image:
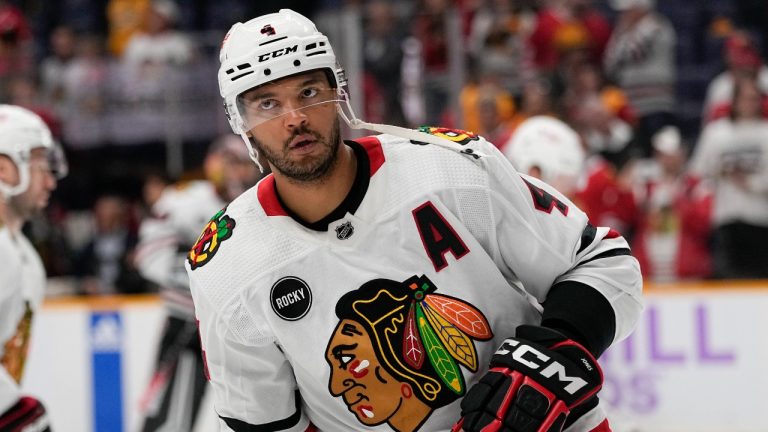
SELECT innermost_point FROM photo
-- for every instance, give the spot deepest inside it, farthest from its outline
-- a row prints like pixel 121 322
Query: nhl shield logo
pixel 345 230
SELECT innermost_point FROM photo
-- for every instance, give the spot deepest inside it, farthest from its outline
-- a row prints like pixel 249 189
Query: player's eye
pixel 267 104
pixel 309 92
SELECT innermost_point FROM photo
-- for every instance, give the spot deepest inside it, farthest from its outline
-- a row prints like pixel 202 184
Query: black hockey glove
pixel 535 380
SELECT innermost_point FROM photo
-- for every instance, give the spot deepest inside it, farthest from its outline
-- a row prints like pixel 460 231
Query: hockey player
pixel 29 167
pixel 172 401
pixel 406 281
pixel 546 148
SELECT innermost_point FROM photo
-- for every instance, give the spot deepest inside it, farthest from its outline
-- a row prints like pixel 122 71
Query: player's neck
pixel 313 201
pixel 8 218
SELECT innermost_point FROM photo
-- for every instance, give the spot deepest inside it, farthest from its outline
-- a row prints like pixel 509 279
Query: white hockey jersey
pixel 22 289
pixel 381 316
pixel 168 233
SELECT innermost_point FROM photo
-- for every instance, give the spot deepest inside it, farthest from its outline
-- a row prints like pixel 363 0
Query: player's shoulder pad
pixel 464 142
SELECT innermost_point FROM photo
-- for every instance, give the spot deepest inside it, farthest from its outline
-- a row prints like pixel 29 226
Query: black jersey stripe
pixel 587 237
pixel 278 425
pixel 608 254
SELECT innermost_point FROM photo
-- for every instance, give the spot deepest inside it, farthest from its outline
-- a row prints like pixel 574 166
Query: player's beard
pixel 317 168
pixel 25 207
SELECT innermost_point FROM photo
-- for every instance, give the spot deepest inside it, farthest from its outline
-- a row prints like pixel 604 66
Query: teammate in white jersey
pixel 406 281
pixel 29 167
pixel 547 148
pixel 173 399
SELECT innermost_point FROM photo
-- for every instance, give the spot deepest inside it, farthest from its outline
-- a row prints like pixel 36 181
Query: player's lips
pixel 302 143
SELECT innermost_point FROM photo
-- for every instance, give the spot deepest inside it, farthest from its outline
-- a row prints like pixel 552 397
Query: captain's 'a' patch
pixel 218 229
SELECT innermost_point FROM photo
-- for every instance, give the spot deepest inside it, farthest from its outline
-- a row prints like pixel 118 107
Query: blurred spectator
pixel 106 266
pixel 563 24
pixel 640 58
pixel 674 238
pixel 493 114
pixel 84 102
pixel 484 85
pixel 62 42
pixel 383 56
pixel 742 60
pixel 158 43
pixel 429 28
pixel 588 83
pixel 125 18
pixel 498 43
pixel 153 78
pixel 732 153
pixel 412 73
pixel 606 192
pixel 536 100
pixel 600 113
pixel 23 91
pixel 16 56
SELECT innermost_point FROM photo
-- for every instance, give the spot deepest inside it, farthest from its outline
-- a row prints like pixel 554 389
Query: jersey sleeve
pixel 11 312
pixel 584 276
pixel 157 255
pixel 253 384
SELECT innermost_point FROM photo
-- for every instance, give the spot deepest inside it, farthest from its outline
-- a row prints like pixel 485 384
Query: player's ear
pixel 8 172
pixel 534 171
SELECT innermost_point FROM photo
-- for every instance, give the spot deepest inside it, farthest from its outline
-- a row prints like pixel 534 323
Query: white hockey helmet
pixel 21 131
pixel 552 146
pixel 268 48
pixel 279 45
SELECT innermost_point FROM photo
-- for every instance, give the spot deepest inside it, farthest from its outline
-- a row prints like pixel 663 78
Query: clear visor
pixel 270 102
pixel 58 162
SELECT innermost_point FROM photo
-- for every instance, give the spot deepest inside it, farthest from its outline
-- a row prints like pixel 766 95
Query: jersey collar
pixel 370 157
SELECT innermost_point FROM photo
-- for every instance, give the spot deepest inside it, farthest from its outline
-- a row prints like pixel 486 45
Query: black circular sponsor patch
pixel 290 298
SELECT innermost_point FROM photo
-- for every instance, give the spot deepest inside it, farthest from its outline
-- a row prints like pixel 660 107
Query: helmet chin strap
pixel 411 134
pixel 355 123
pixel 252 152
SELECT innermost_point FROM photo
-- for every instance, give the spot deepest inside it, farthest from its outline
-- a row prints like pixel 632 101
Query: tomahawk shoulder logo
pixel 290 298
pixel 218 229
pixel 345 230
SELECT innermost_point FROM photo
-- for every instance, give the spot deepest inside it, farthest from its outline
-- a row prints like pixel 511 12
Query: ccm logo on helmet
pixel 534 359
pixel 278 53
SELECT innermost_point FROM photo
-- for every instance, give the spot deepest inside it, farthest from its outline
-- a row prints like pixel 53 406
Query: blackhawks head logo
pixel 397 352
pixel 218 229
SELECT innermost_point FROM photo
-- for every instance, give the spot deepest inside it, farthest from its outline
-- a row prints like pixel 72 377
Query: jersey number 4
pixel 545 201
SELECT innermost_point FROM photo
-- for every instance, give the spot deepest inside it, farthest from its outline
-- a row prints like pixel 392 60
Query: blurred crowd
pixel 668 100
